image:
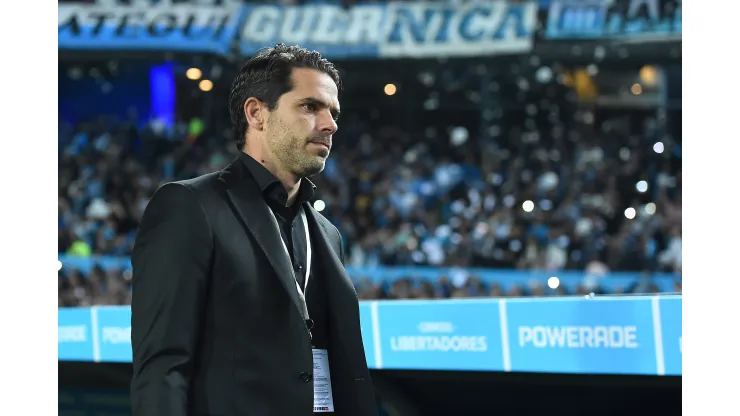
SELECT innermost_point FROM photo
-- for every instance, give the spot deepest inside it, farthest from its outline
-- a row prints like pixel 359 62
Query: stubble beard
pixel 290 150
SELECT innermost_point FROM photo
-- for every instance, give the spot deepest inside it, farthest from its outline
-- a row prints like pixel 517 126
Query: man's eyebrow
pixel 320 103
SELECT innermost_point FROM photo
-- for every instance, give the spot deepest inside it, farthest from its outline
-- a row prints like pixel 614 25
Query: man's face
pixel 299 131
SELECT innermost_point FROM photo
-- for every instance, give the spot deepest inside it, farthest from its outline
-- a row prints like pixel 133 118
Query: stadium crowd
pixel 558 188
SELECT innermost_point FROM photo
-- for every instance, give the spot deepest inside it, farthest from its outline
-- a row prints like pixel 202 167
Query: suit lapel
pixel 342 300
pixel 324 248
pixel 244 195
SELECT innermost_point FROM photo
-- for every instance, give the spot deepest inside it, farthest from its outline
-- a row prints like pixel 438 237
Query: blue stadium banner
pixel 114 333
pixel 625 20
pixel 672 335
pixel 396 29
pixel 76 335
pixel 440 335
pixel 603 335
pixel 366 326
pixel 612 336
pixel 378 30
pixel 184 28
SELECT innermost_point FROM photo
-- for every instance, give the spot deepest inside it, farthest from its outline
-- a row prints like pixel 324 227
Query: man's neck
pixel 290 182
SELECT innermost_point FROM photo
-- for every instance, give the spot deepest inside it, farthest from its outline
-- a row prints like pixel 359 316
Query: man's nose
pixel 327 124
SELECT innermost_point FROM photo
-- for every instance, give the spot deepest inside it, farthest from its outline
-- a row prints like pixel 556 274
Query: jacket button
pixel 306 377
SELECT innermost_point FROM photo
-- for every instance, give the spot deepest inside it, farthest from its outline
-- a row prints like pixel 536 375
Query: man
pixel 220 324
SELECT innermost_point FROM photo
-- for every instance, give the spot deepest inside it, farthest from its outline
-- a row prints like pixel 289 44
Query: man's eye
pixel 309 107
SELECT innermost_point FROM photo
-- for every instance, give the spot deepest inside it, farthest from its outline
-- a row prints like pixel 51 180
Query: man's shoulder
pixel 201 183
pixel 202 189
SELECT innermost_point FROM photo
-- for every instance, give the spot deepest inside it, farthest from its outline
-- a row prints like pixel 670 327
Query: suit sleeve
pixel 171 262
pixel 341 246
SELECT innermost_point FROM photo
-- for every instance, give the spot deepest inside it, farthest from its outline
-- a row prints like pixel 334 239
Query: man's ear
pixel 256 113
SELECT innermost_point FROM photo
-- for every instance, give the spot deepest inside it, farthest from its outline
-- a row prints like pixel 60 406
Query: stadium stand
pixel 426 210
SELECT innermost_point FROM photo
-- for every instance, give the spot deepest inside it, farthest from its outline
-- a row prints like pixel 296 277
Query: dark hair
pixel 267 76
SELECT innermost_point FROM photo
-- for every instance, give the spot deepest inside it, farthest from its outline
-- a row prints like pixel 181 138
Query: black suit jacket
pixel 216 328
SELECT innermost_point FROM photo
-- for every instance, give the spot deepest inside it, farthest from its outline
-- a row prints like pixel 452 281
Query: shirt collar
pixel 270 186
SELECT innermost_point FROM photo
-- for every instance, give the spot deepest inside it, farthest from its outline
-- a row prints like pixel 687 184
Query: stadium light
pixel 553 282
pixel 630 213
pixel 636 89
pixel 193 73
pixel 319 205
pixel 648 75
pixel 528 206
pixel 389 89
pixel 642 187
pixel 205 85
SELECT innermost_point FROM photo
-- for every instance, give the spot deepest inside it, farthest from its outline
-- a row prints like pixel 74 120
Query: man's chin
pixel 314 167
